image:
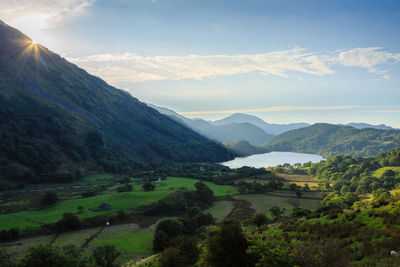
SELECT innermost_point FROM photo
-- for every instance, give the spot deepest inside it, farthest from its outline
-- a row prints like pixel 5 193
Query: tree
pixel 69 221
pixel 105 256
pixel 148 187
pixel 227 247
pixel 260 219
pixel 307 188
pixel 293 187
pixel 183 252
pixel 166 231
pixel 44 256
pixel 276 212
pixel 49 198
pixel 6 258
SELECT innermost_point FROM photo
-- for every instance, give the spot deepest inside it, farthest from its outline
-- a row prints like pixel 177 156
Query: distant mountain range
pixel 222 132
pixel 269 128
pixel 248 134
pixel 359 125
pixel 328 140
pixel 56 120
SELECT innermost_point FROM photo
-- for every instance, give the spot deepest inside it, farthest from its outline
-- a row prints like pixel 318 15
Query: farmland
pixel 126 201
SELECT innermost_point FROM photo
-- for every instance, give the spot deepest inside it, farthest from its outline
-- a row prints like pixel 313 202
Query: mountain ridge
pixel 58 119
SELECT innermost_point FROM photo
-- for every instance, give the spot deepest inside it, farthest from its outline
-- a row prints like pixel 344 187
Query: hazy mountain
pixel 56 119
pixel 328 140
pixel 243 148
pixel 223 133
pixel 269 128
pixel 359 125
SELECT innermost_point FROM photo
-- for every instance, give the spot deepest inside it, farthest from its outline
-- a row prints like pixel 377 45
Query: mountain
pixel 359 125
pixel 228 132
pixel 57 120
pixel 273 129
pixel 327 140
pixel 243 148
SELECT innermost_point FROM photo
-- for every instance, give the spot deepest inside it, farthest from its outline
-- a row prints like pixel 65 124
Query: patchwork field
pixel 220 210
pixel 127 201
pixel 263 203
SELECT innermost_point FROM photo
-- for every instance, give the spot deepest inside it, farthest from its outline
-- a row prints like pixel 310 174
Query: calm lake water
pixel 272 159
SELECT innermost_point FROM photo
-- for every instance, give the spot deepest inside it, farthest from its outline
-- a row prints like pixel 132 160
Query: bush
pixel 260 219
pixel 148 187
pixel 49 198
pixel 105 256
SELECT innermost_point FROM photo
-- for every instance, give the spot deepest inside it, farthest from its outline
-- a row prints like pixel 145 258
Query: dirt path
pixel 91 238
pixel 241 210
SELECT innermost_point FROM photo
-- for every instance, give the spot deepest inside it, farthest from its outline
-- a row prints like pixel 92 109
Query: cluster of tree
pixel 329 236
pixel 212 172
pixel 259 188
pixel 124 188
pixel 177 239
pixel 181 200
pixel 70 255
pixel 350 177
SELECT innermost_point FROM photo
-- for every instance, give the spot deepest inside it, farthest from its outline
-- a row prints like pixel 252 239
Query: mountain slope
pixel 360 125
pixel 228 132
pixel 328 140
pixel 273 129
pixel 243 148
pixel 56 119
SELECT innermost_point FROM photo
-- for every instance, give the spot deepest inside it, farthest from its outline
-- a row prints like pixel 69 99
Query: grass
pixel 131 245
pixel 127 201
pixel 263 203
pixel 220 210
pixel 379 172
pixel 77 238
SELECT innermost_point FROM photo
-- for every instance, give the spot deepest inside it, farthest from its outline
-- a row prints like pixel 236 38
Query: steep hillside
pixel 269 128
pixel 328 140
pixel 243 148
pixel 226 132
pixel 56 119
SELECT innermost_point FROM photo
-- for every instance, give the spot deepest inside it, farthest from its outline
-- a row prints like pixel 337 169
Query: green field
pixel 131 245
pixel 220 210
pixel 262 203
pixel 379 172
pixel 127 201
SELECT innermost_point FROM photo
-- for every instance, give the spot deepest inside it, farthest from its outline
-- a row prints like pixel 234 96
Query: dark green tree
pixel 105 256
pixel 227 247
pixel 49 198
pixel 260 219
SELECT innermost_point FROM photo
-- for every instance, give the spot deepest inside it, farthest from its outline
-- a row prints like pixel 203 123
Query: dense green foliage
pixel 57 120
pixel 228 246
pixel 244 148
pixel 181 200
pixel 329 140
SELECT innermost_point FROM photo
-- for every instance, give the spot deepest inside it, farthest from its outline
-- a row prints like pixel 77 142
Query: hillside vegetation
pixel 328 140
pixel 57 120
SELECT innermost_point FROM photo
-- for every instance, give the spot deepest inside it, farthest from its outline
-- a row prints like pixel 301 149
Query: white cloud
pixel 131 68
pixel 40 14
pixel 128 67
pixel 368 58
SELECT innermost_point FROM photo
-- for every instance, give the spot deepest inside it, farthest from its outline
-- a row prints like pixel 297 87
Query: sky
pixel 284 60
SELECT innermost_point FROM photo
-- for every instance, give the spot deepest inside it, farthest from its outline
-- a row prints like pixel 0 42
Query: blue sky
pixel 284 61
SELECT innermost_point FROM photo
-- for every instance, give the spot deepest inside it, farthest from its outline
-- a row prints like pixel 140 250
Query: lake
pixel 272 159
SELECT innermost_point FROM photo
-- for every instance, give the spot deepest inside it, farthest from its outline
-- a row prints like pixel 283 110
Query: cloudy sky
pixel 283 60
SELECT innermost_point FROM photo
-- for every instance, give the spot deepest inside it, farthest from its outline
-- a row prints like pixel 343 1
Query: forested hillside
pixel 57 120
pixel 328 140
